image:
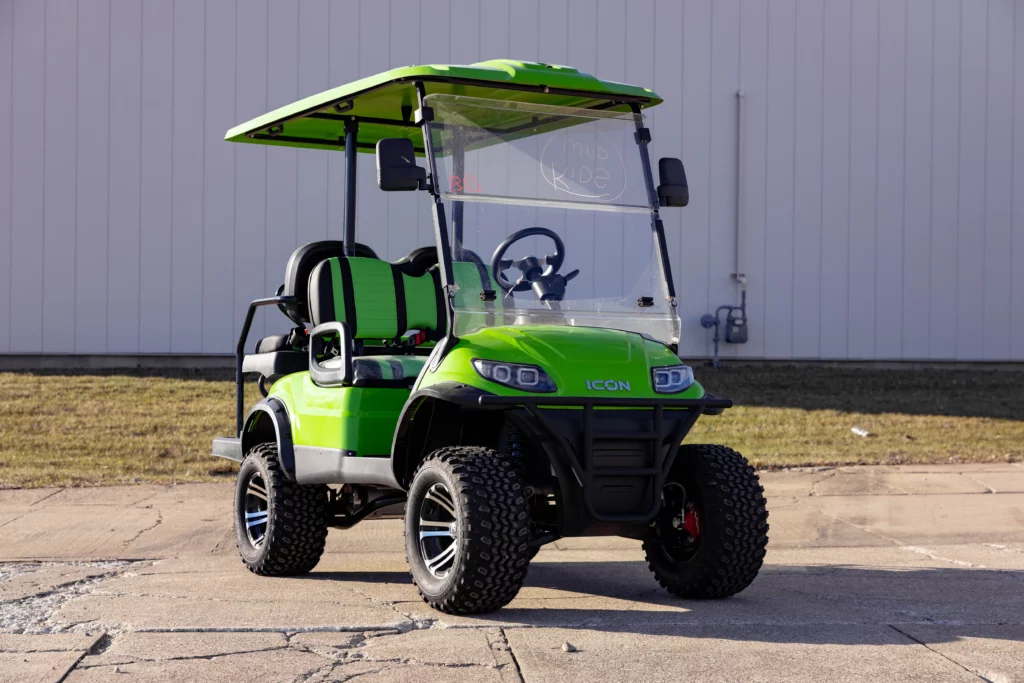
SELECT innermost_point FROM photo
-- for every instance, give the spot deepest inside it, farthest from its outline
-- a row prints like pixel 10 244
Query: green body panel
pixel 355 419
pixel 570 355
pixel 363 420
pixel 384 95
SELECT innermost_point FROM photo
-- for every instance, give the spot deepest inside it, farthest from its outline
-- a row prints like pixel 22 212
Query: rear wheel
pixel 280 526
pixel 466 530
pixel 709 538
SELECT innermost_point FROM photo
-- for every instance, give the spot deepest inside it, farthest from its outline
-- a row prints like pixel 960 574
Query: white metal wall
pixel 884 163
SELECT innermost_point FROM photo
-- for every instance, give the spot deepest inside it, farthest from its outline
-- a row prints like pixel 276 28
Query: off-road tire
pixel 733 520
pixel 493 529
pixel 296 524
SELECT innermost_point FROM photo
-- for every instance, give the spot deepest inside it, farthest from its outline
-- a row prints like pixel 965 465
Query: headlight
pixel 515 375
pixel 671 379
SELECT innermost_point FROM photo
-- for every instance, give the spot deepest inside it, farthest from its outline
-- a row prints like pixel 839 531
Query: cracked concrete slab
pixel 242 612
pixel 757 653
pixel 159 647
pixel 54 642
pixel 75 532
pixel 891 573
pixel 44 667
pixel 941 518
pixel 795 524
pixel 32 613
pixel 25 497
pixel 1001 482
pixel 416 655
pixel 24 579
pixel 852 483
pixel 116 496
pixel 431 647
pixel 273 665
pixel 27 658
pixel 994 652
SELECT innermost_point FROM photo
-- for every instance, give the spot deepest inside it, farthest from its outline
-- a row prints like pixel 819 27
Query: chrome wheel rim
pixel 438 531
pixel 257 510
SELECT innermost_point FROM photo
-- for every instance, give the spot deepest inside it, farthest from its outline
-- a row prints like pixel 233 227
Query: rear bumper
pixel 610 464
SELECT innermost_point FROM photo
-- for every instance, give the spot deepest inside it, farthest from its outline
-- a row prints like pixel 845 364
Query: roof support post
pixel 444 252
pixel 458 209
pixel 351 130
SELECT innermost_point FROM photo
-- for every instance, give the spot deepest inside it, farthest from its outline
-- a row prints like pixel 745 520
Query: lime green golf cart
pixel 514 383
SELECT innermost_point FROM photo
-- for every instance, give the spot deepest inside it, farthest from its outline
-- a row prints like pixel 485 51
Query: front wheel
pixel 709 538
pixel 467 526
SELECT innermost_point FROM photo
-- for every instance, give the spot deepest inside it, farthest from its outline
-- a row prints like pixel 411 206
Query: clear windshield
pixel 566 174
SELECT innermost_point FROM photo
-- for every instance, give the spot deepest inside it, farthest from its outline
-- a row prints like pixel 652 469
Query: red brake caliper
pixel 691 521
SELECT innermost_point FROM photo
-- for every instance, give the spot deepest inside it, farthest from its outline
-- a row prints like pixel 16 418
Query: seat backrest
pixel 375 298
pixel 301 264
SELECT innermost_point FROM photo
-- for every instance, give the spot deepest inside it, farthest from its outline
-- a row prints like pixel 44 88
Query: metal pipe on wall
pixel 740 272
pixel 736 331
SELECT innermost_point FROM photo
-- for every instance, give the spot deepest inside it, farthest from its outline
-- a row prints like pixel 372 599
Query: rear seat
pixel 283 354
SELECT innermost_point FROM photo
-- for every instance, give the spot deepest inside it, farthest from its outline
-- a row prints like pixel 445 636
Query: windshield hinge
pixel 424 114
pixel 645 301
pixel 488 295
pixel 642 135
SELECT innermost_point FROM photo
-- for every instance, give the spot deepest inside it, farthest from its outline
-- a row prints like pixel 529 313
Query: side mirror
pixel 673 190
pixel 396 166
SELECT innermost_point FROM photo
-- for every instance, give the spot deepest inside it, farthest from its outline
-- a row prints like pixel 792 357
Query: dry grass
pixel 92 428
pixel 803 416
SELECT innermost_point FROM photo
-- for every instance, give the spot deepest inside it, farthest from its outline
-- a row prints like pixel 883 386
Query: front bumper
pixel 610 464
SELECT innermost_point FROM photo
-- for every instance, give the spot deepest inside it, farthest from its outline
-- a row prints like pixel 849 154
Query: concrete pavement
pixel 910 573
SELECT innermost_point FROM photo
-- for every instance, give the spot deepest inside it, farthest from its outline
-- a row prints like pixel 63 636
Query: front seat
pixel 379 302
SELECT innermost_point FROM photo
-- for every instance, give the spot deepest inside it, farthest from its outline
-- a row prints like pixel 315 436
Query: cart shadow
pixel 820 604
pixel 837 604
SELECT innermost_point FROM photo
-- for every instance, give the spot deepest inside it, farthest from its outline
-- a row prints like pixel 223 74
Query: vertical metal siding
pixel 885 213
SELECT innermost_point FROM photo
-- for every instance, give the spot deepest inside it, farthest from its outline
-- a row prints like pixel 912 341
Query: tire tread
pixel 735 527
pixel 493 557
pixel 298 527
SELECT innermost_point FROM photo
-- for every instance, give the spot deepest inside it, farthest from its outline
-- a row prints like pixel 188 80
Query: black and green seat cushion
pixel 376 298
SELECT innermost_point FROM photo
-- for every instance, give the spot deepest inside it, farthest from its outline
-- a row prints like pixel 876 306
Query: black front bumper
pixel 610 464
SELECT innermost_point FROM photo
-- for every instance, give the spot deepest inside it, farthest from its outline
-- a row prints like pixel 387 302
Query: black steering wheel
pixel 537 273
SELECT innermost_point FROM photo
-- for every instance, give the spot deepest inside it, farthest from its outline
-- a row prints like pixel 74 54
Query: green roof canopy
pixel 384 104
